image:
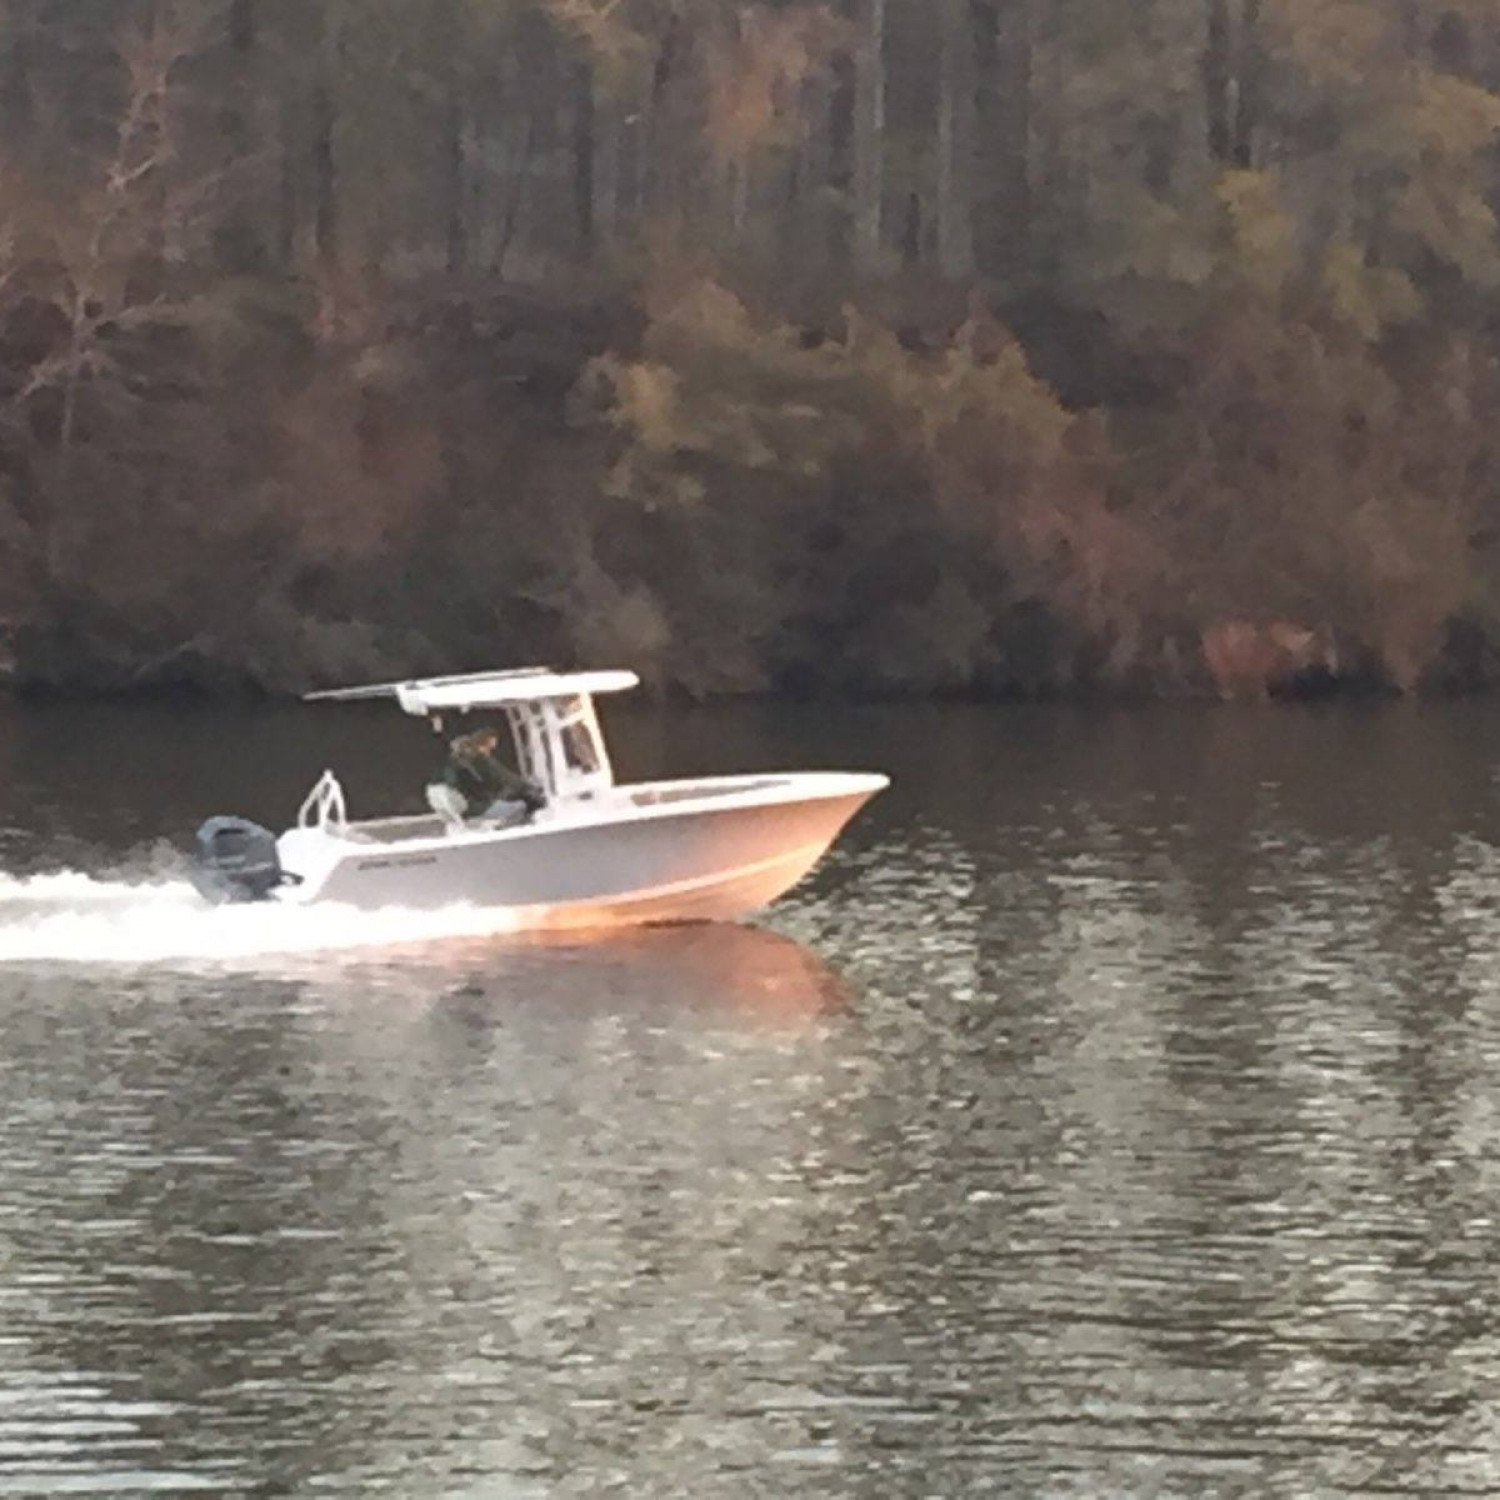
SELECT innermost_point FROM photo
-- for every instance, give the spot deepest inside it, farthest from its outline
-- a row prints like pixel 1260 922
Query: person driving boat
pixel 477 783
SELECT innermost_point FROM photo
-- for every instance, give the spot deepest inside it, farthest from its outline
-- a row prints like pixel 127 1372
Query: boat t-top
pixel 581 852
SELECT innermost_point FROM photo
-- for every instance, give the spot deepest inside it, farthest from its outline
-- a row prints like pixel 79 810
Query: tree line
pixel 875 345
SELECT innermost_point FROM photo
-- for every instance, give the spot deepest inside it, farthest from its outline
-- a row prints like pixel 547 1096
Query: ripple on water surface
pixel 1092 1124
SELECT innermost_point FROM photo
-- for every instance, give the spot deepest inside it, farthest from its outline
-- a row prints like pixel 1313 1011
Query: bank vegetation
pixel 1012 347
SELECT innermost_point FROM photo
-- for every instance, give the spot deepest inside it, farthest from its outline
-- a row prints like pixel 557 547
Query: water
pixel 1116 1113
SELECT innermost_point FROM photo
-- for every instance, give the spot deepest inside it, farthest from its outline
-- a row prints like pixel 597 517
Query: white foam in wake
pixel 72 917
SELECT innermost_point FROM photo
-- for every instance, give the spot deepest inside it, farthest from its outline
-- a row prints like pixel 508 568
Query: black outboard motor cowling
pixel 236 860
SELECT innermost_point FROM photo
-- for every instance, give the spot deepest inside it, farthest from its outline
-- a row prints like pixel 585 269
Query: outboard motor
pixel 236 860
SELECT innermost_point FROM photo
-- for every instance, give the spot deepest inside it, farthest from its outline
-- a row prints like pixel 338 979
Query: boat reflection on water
pixel 754 973
pixel 730 971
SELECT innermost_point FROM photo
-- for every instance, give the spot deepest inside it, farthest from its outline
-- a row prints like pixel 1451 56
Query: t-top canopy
pixel 430 695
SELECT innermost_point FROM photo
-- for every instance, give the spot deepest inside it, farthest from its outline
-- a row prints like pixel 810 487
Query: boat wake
pixel 70 916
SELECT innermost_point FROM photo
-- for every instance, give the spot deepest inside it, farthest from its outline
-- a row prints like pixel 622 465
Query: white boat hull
pixel 667 852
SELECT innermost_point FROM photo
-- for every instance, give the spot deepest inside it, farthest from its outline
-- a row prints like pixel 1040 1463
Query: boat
pixel 587 853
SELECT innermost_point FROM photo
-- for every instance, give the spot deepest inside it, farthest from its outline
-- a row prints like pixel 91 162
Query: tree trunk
pixel 657 154
pixel 585 126
pixel 1006 115
pixel 239 110
pixel 1061 175
pixel 325 178
pixel 288 196
pixel 241 36
pixel 516 200
pixel 325 185
pixel 735 173
pixel 738 185
pixel 954 144
pixel 869 137
pixel 240 239
pixel 1216 77
pixel 454 130
pixel 16 101
pixel 838 241
pixel 605 170
pixel 911 232
pixel 800 235
pixel 1251 86
pixel 455 179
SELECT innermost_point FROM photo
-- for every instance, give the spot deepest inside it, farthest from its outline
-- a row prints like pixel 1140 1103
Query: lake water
pixel 1117 1112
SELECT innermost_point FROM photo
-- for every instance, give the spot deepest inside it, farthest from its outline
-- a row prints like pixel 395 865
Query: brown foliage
pixel 1216 418
pixel 1250 661
pixel 757 60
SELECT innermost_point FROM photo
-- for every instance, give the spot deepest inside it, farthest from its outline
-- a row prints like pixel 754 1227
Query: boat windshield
pixel 559 746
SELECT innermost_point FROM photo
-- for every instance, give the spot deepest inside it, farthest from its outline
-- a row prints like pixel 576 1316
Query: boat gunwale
pixel 770 789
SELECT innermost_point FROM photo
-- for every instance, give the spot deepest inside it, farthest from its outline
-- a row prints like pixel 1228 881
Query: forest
pixel 878 347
